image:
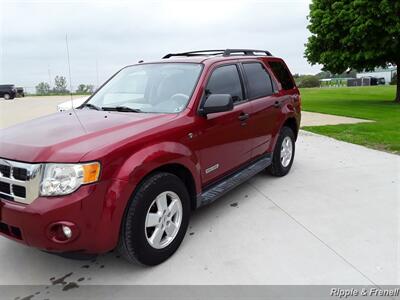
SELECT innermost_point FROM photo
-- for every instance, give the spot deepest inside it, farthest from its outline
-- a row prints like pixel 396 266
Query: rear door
pixel 262 92
pixel 289 97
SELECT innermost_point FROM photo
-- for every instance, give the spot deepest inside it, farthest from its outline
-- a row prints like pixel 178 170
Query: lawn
pixel 372 103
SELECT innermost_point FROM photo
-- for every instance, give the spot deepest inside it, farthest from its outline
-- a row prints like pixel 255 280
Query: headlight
pixel 62 179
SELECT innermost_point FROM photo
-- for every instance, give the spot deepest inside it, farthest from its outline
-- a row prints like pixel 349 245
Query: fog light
pixel 67 231
pixel 62 232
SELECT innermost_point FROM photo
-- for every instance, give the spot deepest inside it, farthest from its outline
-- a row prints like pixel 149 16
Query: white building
pixel 387 73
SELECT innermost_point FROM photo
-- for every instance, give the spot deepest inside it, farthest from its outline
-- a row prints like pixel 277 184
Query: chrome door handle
pixel 243 117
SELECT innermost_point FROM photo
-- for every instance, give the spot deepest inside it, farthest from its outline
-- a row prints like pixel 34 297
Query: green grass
pixel 372 103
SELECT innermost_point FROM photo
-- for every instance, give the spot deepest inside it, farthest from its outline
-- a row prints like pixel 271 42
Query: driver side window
pixel 226 80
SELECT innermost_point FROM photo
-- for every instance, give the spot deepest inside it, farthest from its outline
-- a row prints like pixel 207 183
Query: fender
pixel 132 172
pixel 288 111
pixel 146 160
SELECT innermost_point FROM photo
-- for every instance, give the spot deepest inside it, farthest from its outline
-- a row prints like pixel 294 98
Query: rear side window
pixel 226 80
pixel 258 80
pixel 283 74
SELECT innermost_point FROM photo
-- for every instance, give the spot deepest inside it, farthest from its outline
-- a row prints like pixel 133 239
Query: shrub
pixel 308 81
pixel 43 88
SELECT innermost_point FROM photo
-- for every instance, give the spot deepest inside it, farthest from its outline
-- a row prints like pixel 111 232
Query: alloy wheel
pixel 286 151
pixel 163 220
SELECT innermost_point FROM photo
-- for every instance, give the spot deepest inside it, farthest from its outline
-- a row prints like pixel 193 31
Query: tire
pixel 6 97
pixel 135 241
pixel 281 165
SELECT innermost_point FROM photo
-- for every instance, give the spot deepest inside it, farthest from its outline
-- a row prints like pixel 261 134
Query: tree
pixel 60 85
pixel 85 89
pixel 42 88
pixel 324 75
pixel 357 34
pixel 90 88
pixel 307 81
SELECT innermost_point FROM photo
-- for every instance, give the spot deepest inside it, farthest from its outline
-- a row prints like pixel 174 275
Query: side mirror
pixel 216 103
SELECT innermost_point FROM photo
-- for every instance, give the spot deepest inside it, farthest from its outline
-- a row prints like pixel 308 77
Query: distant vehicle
pixel 8 91
pixel 20 92
pixel 67 105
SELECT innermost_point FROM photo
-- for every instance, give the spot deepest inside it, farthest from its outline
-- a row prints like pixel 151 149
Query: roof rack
pixel 226 52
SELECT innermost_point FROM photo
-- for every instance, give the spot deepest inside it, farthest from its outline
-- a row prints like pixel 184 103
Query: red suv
pixel 155 142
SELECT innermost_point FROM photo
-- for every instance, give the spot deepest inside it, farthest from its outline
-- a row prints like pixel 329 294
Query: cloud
pixel 106 35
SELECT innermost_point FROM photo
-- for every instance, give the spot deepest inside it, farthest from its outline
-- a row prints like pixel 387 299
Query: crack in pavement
pixel 315 236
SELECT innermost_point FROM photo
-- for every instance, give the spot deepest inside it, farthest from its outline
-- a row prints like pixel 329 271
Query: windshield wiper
pixel 122 108
pixel 90 105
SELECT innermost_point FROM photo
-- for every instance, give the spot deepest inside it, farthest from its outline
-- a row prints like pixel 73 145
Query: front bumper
pixel 96 210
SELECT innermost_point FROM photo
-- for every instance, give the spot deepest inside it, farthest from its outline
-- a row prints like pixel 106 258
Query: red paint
pixel 129 147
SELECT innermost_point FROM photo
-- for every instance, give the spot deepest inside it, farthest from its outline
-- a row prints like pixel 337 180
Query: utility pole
pixel 49 72
pixel 97 74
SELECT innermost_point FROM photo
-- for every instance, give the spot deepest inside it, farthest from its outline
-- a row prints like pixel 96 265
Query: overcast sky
pixel 112 34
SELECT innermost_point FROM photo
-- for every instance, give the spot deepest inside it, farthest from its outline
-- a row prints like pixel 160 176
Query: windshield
pixel 159 88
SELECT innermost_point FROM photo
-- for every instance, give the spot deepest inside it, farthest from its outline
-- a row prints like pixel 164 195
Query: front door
pixel 225 137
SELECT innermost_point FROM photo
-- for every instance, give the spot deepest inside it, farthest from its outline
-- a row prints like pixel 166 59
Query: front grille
pixel 19 182
pixel 19 191
pixel 9 189
pixel 20 174
pixel 5 188
pixel 5 170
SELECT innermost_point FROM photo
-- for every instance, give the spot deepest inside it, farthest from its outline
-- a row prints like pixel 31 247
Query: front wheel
pixel 283 155
pixel 7 97
pixel 156 220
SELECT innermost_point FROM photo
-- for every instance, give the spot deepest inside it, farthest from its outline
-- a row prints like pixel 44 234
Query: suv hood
pixel 68 136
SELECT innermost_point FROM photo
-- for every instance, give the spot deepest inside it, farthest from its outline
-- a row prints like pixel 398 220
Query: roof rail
pixel 229 52
pixel 226 52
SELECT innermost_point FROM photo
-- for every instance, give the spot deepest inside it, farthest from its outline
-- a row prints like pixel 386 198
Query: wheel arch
pixel 171 157
pixel 292 124
pixel 184 174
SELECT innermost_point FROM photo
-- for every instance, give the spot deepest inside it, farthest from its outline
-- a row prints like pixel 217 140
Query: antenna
pixel 69 71
pixel 97 74
pixel 70 83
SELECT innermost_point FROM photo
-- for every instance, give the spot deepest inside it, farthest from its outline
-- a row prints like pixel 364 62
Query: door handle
pixel 277 104
pixel 243 117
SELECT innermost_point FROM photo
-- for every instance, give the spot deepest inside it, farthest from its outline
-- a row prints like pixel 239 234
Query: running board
pixel 221 187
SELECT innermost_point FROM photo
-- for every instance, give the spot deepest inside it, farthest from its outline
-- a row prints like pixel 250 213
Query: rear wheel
pixel 156 220
pixel 7 96
pixel 283 156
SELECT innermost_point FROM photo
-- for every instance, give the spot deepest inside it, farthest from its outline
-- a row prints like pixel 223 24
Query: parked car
pixel 74 103
pixel 157 141
pixel 20 92
pixel 8 91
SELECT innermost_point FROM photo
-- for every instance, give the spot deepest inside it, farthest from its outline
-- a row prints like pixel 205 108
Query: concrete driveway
pixel 333 220
pixel 27 108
